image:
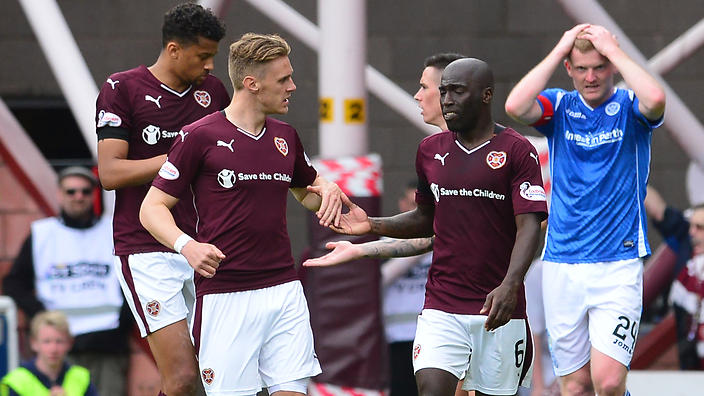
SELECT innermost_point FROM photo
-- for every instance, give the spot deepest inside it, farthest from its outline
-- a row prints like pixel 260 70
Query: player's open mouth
pixel 449 115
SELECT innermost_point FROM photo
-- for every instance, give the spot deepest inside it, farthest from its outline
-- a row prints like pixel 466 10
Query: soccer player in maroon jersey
pixel 480 193
pixel 252 324
pixel 140 113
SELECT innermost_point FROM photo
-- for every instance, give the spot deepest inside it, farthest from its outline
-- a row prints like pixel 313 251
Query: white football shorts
pixel 254 339
pixel 592 305
pixel 493 362
pixel 158 287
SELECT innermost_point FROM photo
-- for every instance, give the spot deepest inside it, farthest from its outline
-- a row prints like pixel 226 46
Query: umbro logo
pixel 112 83
pixel 150 98
pixel 228 145
pixel 441 158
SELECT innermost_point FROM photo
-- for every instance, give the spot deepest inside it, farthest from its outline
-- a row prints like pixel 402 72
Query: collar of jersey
pixel 463 148
pixel 179 94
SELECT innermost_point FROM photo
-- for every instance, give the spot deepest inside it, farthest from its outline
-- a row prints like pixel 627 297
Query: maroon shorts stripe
pixel 197 321
pixel 529 353
pixel 127 274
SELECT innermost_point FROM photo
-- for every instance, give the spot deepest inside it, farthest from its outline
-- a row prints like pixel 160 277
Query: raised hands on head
pixel 564 46
pixel 603 40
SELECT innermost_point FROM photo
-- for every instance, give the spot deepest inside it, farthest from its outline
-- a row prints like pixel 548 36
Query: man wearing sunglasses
pixel 65 264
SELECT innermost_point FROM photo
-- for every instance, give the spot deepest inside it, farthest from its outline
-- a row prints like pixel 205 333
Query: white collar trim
pixel 472 150
pixel 179 94
pixel 252 135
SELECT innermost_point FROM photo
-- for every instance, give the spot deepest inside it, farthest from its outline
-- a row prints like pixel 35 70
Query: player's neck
pixel 245 116
pixel 483 131
pixel 162 72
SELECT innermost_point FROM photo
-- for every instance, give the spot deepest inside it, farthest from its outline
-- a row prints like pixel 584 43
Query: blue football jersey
pixel 599 162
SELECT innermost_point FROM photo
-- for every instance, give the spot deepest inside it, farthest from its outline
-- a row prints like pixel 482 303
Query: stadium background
pixel 511 35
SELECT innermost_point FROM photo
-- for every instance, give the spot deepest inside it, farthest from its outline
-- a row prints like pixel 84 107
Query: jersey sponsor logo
pixel 264 176
pixel 576 114
pixel 109 119
pixel 151 134
pixel 612 108
pixel 594 140
pixel 150 98
pixel 436 191
pixel 169 171
pixel 208 375
pixel 227 178
pixel 281 145
pixel 153 308
pixel 220 143
pixel 441 158
pixel 532 193
pixel 112 83
pixel 467 192
pixel 496 159
pixel 416 351
pixel 183 135
pixel 202 98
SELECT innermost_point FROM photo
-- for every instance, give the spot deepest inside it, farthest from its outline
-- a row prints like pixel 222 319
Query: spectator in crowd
pixel 65 264
pixel 49 373
pixel 682 236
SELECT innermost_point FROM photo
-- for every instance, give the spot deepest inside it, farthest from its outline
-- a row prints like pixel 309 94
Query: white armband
pixel 181 241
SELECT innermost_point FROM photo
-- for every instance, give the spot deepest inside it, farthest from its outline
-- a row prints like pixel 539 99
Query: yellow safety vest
pixel 22 381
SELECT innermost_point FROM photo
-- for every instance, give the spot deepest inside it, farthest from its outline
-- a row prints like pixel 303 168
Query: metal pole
pixel 67 64
pixel 683 126
pixel 217 6
pixel 379 85
pixel 678 50
pixel 341 61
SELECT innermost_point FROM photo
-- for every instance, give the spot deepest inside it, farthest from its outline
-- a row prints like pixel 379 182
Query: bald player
pixel 480 193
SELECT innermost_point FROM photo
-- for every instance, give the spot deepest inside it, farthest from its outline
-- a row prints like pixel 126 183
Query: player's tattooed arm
pixel 344 251
pixel 387 248
pixel 412 224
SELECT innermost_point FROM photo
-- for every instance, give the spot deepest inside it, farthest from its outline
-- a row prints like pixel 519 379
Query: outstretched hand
pixel 354 222
pixel 499 306
pixel 203 257
pixel 342 251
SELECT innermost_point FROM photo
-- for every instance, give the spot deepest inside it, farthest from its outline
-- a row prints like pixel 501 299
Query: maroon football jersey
pixel 153 114
pixel 240 184
pixel 477 194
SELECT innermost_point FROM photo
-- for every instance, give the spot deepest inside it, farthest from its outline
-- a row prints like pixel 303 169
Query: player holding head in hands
pixel 599 141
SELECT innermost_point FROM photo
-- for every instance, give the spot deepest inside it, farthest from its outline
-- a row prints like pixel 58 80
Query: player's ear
pixel 172 48
pixel 251 83
pixel 487 95
pixel 568 66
